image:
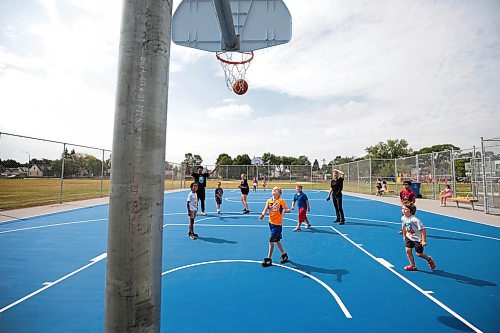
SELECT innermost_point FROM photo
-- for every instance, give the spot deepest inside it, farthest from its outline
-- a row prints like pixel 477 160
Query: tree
pixel 341 160
pixel 315 165
pixel 301 160
pixel 9 163
pixel 224 159
pixel 436 148
pixel 391 149
pixel 271 159
pixel 192 160
pixel 242 160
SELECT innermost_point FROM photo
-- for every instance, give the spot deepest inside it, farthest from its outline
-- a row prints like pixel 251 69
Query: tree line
pixel 391 149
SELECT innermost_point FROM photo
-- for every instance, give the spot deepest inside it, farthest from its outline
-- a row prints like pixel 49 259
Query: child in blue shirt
pixel 303 203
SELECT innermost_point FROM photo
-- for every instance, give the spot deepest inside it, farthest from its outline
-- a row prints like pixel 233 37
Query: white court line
pixel 327 287
pixel 93 261
pixel 426 293
pixel 399 223
pixel 51 225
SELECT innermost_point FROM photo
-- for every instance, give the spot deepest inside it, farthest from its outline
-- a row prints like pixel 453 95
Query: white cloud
pixel 354 74
pixel 230 111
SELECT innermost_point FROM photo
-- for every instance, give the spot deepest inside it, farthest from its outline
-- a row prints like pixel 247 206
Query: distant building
pixel 40 171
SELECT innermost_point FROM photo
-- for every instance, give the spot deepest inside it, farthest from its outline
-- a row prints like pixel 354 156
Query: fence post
pixel 102 170
pixel 473 178
pixel 357 167
pixel 433 173
pixel 453 174
pixel 396 170
pixel 418 170
pixel 62 174
pixel 485 186
pixel 311 178
pixel 370 174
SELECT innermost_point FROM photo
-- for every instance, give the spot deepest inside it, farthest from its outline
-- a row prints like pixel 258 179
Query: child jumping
pixel 414 236
pixel 303 204
pixel 218 196
pixel 192 208
pixel 445 194
pixel 277 208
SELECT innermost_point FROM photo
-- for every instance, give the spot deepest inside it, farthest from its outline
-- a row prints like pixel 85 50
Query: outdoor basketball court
pixel 346 278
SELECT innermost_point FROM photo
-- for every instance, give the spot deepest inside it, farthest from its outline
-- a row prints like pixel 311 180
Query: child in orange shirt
pixel 277 208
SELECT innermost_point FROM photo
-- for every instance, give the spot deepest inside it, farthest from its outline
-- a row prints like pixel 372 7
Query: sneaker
pixel 191 235
pixel 336 221
pixel 218 211
pixel 411 268
pixel 431 263
pixel 296 229
pixel 308 226
pixel 203 213
pixel 246 211
pixel 342 222
pixel 284 258
pixel 267 262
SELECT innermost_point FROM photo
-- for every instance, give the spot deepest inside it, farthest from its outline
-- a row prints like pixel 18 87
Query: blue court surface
pixel 347 278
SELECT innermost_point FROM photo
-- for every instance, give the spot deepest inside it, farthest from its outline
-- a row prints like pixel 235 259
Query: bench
pixel 464 200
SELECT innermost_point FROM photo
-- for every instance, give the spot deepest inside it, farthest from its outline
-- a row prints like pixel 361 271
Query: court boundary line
pixel 48 285
pixel 425 293
pixel 323 284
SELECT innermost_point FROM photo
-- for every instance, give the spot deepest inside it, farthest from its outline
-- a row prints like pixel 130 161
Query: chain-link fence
pixel 469 172
pixel 36 171
pixel 285 176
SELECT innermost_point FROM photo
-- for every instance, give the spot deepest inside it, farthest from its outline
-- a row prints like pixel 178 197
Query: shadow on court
pixel 449 238
pixel 339 272
pixel 461 278
pixel 368 224
pixel 217 240
pixel 320 231
pixel 454 323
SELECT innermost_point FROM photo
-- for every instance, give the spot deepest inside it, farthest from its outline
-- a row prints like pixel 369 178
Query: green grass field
pixel 23 193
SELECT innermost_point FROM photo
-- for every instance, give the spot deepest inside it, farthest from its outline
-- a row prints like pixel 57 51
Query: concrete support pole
pixel 134 257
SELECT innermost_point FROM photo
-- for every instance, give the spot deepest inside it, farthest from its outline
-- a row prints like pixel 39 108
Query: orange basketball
pixel 240 86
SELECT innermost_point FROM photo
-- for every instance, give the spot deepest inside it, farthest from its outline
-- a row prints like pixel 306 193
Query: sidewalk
pixel 463 212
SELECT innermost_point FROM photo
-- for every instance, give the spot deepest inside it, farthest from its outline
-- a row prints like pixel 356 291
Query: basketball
pixel 240 86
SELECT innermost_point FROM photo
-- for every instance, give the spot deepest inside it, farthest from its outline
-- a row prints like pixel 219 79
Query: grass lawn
pixel 22 193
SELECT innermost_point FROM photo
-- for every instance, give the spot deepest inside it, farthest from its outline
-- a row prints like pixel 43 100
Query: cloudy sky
pixel 355 73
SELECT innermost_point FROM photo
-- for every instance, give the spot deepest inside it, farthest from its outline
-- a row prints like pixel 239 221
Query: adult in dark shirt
pixel 201 179
pixel 244 192
pixel 336 186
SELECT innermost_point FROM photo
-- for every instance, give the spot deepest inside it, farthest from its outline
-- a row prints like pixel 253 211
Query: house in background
pixel 40 171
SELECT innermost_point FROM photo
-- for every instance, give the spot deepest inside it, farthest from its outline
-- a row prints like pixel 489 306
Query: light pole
pixel 29 160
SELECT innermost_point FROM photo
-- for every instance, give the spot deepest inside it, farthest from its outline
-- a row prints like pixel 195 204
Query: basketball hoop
pixel 235 65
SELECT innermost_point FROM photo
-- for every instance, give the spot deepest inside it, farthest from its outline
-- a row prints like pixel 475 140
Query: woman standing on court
pixel 336 186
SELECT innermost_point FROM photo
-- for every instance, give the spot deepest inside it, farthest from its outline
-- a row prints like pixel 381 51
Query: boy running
pixel 414 236
pixel 277 208
pixel 303 204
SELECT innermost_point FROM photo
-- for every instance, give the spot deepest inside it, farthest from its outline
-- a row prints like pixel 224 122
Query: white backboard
pixel 258 23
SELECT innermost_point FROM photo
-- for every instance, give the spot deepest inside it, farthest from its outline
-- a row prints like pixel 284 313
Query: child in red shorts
pixel 303 203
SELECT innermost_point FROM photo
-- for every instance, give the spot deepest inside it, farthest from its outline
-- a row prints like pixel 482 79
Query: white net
pixel 235 65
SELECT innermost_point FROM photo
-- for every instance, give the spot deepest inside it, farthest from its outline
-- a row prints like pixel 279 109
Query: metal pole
pixel 62 174
pixel 433 174
pixel 396 170
pixel 134 256
pixel 453 172
pixel 485 186
pixel 473 178
pixel 357 167
pixel 418 170
pixel 102 171
pixel 370 168
pixel 225 18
